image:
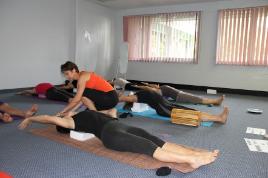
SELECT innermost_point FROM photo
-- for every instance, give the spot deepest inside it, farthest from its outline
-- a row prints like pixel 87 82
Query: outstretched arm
pixel 68 86
pixel 77 99
pixel 131 98
pixel 66 122
pixel 156 86
pixel 147 88
pixel 27 92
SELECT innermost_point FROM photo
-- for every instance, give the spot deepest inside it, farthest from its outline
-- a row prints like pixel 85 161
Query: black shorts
pixel 102 100
pixel 131 87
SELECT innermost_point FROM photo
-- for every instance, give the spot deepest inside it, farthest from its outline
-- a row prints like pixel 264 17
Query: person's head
pixel 6 118
pixel 128 105
pixel 70 70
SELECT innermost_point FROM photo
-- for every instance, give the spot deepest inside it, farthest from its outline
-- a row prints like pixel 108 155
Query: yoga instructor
pixel 92 90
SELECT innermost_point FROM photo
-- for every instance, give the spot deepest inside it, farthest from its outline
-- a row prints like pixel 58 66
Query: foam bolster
pixel 81 136
pixel 185 117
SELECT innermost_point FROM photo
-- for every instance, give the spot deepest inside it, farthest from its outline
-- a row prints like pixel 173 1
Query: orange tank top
pixel 96 82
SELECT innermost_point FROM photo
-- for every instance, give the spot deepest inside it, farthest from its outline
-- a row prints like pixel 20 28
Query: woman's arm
pixel 27 92
pixel 147 88
pixel 68 86
pixel 77 99
pixel 131 98
pixel 156 86
pixel 66 122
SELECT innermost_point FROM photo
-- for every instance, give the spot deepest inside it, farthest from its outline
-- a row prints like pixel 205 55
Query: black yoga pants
pixel 58 95
pixel 102 100
pixel 121 137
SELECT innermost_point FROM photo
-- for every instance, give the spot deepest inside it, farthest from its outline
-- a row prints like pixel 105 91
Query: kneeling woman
pixel 92 90
pixel 164 108
pixel 120 137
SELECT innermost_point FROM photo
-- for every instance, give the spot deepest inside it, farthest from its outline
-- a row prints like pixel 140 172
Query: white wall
pixel 36 36
pixel 98 54
pixel 206 73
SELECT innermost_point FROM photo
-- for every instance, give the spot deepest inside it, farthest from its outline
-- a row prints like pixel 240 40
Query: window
pixel 163 37
pixel 243 36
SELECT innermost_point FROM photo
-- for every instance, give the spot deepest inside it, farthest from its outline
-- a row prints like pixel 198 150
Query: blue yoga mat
pixel 151 113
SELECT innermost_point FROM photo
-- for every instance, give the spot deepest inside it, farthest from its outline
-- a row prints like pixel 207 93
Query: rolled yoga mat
pixel 96 147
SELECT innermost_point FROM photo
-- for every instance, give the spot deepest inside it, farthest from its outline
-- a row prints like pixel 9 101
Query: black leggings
pixel 58 95
pixel 102 100
pixel 121 137
pixel 162 106
pixel 131 87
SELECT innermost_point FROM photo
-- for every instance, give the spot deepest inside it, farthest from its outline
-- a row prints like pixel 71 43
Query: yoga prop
pixel 185 117
pixel 80 136
pixel 163 171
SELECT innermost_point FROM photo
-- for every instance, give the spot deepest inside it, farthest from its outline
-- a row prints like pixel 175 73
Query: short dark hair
pixel 128 105
pixel 62 130
pixel 69 66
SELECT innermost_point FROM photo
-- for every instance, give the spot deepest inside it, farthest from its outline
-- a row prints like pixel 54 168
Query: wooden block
pixel 185 117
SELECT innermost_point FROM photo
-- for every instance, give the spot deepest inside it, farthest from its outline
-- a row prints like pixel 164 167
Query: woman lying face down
pixel 121 137
pixel 164 107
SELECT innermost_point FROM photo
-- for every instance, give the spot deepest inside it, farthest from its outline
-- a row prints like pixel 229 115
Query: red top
pixel 4 175
pixel 98 83
pixel 42 88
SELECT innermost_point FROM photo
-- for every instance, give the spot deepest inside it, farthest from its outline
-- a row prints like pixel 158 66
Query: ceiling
pixel 130 4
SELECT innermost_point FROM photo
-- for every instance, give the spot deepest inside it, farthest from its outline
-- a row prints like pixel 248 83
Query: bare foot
pixel 224 115
pixel 184 168
pixel 197 150
pixel 31 111
pixel 219 100
pixel 6 117
pixel 207 158
pixel 201 152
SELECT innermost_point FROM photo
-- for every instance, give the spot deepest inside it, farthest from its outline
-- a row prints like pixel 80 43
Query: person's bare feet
pixel 224 115
pixel 6 118
pixel 183 167
pixel 219 100
pixel 201 160
pixel 201 152
pixel 31 111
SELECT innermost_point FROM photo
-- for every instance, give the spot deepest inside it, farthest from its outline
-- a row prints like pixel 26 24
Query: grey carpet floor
pixel 27 156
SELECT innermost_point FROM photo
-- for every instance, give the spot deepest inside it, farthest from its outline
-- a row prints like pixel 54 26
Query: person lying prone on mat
pixel 92 90
pixel 120 137
pixel 63 93
pixel 6 112
pixel 169 92
pixel 164 107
